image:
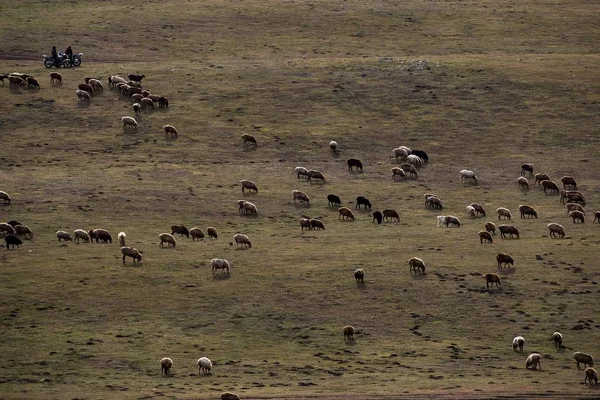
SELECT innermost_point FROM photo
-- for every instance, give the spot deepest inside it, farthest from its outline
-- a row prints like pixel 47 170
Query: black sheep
pixel 15 241
pixel 421 154
pixel 360 200
pixel 334 201
pixel 377 216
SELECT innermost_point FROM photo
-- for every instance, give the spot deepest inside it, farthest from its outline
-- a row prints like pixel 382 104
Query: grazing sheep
pixel 32 82
pixel 485 236
pixel 518 342
pixel 478 209
pixel 523 182
pixel 6 199
pixel 539 178
pixel 571 196
pixel 390 214
pixel 354 163
pixel 400 153
pixel 212 232
pixel 551 186
pixel 596 217
pixel 248 140
pixel 577 216
pixel 590 375
pixel 508 230
pixel 490 227
pixel 398 172
pixel 165 366
pixel 359 275
pixel 242 240
pixel 317 224
pixel 533 361
pixel 11 239
pixel 433 202
pixel 204 365
pixel 7 229
pixel 414 160
pixel 345 213
pixel 527 211
pixel 361 200
pixel 129 123
pixel 121 236
pixel 136 97
pixel 471 212
pixel 583 358
pixel 23 230
pixel 378 217
pixel 503 212
pixel 422 155
pixel 80 234
pixel 181 230
pixel 15 81
pixel 505 259
pixel 568 181
pixel 556 229
pixel 101 235
pixel 64 236
pixel 131 252
pixel 220 263
pixel 526 168
pixel 416 265
pixel 316 175
pixel 333 146
pixel 55 77
pixel 137 108
pixel 301 196
pixel 348 332
pixel 410 169
pixel 557 338
pixel 468 176
pixel 147 103
pixel 85 87
pixel 82 96
pixel 3 77
pixel 163 102
pixel 302 172
pixel 14 223
pixel 240 204
pixel 136 78
pixel 451 220
pixel 440 220
pixel 145 93
pixel 229 396
pixel 491 279
pixel 249 208
pixel 333 200
pixel 168 239
pixel 169 130
pixel 248 185
pixel 95 84
pixel 196 233
pixel 305 223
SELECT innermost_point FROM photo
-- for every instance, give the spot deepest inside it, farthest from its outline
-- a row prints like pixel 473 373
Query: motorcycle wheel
pixel 67 63
pixel 76 61
pixel 48 63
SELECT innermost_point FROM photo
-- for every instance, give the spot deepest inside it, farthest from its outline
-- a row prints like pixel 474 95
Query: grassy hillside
pixel 484 86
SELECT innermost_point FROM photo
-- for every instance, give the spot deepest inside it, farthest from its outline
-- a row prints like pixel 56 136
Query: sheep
pixel 212 232
pixel 478 209
pixel 551 186
pixel 165 366
pixel 240 204
pixel 131 252
pixel 196 233
pixel 568 181
pixel 181 230
pixel 82 96
pixel 249 208
pixel 129 123
pixel 229 396
pixel 505 259
pixel 416 265
pixel 85 87
pixel 518 342
pixel 317 224
pixel 248 185
pixel 305 223
pixel 163 102
pixel 440 220
pixel 301 172
pixel 526 168
pixel 147 104
pixel 14 223
pixel 556 229
pixel 523 182
pixel 490 227
pixel 400 153
pixel 5 197
pixel 333 146
pixel 451 220
pixel 577 216
pixel 410 169
pixel 539 178
pixel 406 149
pixel 527 211
pixel 533 361
pixel 220 263
pixel 592 375
pixel 242 240
pixel 333 200
pixel 354 163
pixel 471 212
pixel 571 196
pixel 414 160
pixel 11 239
pixel 145 93
pixel 345 213
pixel 7 228
pixel 317 175
pixel 301 196
pixel 135 84
pixel 95 84
pixel 136 78
pixel 64 236
pixel 23 230
pixel 348 332
pixel 204 365
pixel 137 108
pixel 121 236
pixel 468 176
pixel 32 82
pixel 508 230
pixel 422 155
pixel 248 140
pixel 596 217
pixel 377 217
pixel 503 212
pixel 16 81
pixel 80 234
pixel 361 200
pixel 168 239
pixel 434 202
pixel 491 279
pixel 101 235
pixel 398 172
pixel 169 130
pixel 557 338
pixel 115 79
pixel 359 276
pixel 583 358
pixel 55 78
pixel 390 214
pixel 3 77
pixel 485 236
pixel 136 97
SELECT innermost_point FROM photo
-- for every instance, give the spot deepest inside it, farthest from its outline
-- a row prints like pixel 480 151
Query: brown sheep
pixel 583 358
pixel 503 212
pixel 478 209
pixel 248 140
pixel 16 81
pixel 135 77
pixel 574 207
pixel 348 332
pixel 390 214
pixel 229 396
pixel 568 181
pixel 136 97
pixel 32 82
pixel 147 104
pixel 451 220
pixel 212 232
pixel 196 233
pixel 485 236
pixel 527 211
pixel 181 230
pixel 55 78
pixel 577 216
pixel 23 230
pixel 508 230
pixel 86 87
pixel 526 168
pixel 596 217
pixel 354 163
pixel 490 227
pixel 505 259
pixel 165 366
pixel 359 276
pixel 170 130
pixel 83 96
pixel 571 196
pixel 345 213
pixel 590 375
pixel 398 172
pixel 410 169
pixel 491 279
pixel 163 102
pixel 305 223
pixel 533 361
pixel 317 224
pixel 434 202
pixel 416 265
pixel 541 177
pixel 551 186
pixel 556 229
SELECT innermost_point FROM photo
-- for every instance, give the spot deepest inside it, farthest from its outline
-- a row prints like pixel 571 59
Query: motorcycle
pixel 63 61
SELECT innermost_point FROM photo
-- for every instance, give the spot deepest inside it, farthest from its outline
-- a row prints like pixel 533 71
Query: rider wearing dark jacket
pixel 69 53
pixel 54 55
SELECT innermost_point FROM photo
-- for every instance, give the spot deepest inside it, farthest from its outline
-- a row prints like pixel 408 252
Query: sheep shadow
pixel 507 271
pixel 81 104
pixel 250 148
pixel 350 342
pixel 335 154
pixel 221 276
pixel 301 205
pixel 361 286
pixel 418 275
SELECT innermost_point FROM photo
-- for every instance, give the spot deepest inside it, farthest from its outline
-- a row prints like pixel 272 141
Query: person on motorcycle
pixel 55 56
pixel 69 53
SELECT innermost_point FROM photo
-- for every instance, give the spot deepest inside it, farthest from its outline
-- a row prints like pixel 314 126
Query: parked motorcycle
pixel 62 61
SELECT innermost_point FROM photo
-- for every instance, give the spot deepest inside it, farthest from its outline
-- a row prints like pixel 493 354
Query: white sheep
pixel 248 185
pixel 64 236
pixel 471 212
pixel 468 176
pixel 301 196
pixel 242 240
pixel 80 234
pixel 167 238
pixel 95 84
pixel 400 154
pixel 129 123
pixel 556 229
pixel 414 160
pixel 398 172
pixel 82 96
pixel 196 233
pixel 204 365
pixel 523 182
pixel 5 197
pixel 503 212
pixel 518 342
pixel 301 172
pixel 249 208
pixel 165 366
pixel 169 130
pixel 557 338
pixel 137 108
pixel 131 252
pixel 533 361
pixel 333 146
pixel 121 236
pixel 440 220
pixel 220 263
